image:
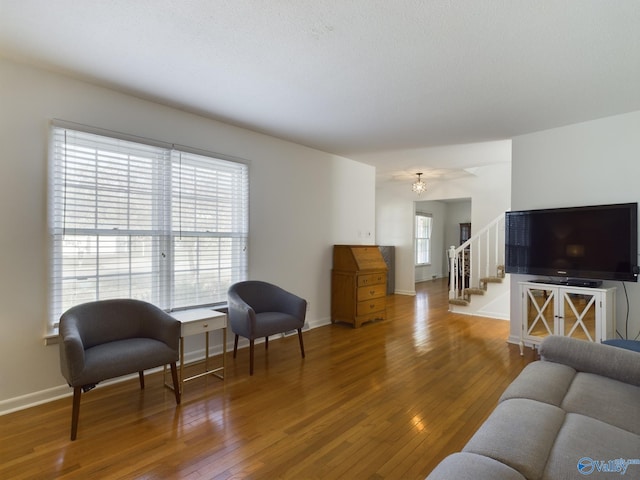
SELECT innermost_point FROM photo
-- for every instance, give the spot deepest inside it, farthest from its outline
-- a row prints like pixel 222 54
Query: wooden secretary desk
pixel 358 284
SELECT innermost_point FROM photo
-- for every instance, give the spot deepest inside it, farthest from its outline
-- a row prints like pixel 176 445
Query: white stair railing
pixel 478 257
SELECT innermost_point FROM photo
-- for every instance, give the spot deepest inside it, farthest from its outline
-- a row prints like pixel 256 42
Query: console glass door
pixel 540 310
pixel 579 315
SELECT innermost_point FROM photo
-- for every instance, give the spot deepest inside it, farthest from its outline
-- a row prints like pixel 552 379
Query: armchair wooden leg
pixel 75 412
pixel 301 343
pixel 176 383
pixel 235 346
pixel 141 375
pixel 251 341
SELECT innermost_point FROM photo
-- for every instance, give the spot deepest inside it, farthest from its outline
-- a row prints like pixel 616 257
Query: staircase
pixel 477 283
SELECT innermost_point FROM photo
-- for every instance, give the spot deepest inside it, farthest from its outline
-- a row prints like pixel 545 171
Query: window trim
pixel 428 238
pixel 53 208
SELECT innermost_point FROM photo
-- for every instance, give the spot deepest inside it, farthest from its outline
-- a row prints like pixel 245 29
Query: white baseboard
pixel 411 293
pixel 33 399
pixel 493 315
pixel 51 394
pixel 320 322
pixel 513 340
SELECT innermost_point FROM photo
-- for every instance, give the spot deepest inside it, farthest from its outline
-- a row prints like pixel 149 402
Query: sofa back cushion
pixel 546 382
pixel 590 357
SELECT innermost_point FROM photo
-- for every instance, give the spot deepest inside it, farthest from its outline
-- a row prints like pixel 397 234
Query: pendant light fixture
pixel 419 186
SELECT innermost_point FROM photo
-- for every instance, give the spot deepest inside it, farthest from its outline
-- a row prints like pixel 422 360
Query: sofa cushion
pixel 586 440
pixel 519 433
pixel 271 323
pixel 122 357
pixel 469 466
pixel 605 399
pixel 543 381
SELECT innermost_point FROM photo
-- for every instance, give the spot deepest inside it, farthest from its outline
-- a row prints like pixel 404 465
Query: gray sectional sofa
pixel 574 414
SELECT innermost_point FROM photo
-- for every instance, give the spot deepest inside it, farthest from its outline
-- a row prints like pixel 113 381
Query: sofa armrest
pixel 242 318
pixel 163 327
pixel 590 357
pixel 71 353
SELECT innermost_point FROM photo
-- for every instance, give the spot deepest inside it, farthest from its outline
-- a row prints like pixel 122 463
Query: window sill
pixel 51 337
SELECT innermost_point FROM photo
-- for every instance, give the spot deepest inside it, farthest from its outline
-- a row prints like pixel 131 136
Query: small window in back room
pixel 423 238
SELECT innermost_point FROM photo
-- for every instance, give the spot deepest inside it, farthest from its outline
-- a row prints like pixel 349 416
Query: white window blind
pixel 423 239
pixel 132 220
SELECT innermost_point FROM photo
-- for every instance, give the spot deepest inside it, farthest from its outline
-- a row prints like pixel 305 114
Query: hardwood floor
pixel 386 401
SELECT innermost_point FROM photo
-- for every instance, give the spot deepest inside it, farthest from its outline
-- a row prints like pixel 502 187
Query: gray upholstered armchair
pixel 111 338
pixel 259 309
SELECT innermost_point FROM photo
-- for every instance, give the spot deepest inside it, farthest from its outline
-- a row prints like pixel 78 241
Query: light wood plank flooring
pixel 386 401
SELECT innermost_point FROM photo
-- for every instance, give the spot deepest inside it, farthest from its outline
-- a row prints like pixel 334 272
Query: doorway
pixel 446 218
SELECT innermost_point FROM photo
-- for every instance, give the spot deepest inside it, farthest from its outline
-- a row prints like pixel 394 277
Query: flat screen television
pixel 597 242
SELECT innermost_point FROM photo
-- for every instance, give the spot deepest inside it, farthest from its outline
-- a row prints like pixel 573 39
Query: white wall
pixel 489 190
pixel 394 226
pixel 302 201
pixel 589 163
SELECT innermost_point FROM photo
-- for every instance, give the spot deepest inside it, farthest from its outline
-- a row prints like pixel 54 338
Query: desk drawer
pixel 205 325
pixel 370 306
pixel 372 279
pixel 372 291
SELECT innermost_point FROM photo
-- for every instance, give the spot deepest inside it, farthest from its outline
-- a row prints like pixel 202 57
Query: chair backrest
pixel 261 296
pixel 105 321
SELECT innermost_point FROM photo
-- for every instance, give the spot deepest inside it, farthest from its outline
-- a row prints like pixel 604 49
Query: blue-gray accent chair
pixel 260 309
pixel 633 345
pixel 110 338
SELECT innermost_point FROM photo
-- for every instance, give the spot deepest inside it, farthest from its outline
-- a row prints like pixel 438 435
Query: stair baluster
pixel 477 255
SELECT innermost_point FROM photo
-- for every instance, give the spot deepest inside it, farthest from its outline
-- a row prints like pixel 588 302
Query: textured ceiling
pixel 375 80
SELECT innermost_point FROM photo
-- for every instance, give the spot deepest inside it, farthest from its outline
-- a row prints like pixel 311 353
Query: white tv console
pixel 557 309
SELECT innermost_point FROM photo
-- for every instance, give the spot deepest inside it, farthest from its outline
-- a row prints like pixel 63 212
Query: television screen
pixel 595 242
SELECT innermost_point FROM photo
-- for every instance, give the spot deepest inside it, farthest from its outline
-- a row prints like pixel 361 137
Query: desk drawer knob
pixel 206 325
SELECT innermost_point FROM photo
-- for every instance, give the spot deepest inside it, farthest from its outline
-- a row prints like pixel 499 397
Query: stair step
pixel 458 301
pixel 474 291
pixel 491 280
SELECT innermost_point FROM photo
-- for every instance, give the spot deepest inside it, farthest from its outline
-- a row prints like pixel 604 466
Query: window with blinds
pixel 423 238
pixel 136 220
